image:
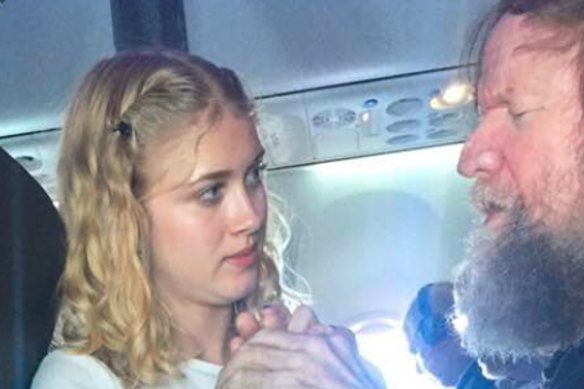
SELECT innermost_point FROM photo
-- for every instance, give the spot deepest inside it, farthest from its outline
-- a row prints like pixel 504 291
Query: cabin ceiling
pixel 277 46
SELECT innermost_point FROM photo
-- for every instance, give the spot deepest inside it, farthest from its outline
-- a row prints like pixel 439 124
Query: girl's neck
pixel 203 332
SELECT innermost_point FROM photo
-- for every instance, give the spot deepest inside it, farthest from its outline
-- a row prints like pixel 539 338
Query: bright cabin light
pixel 460 323
pixel 454 95
pixel 441 158
pixel 382 342
pixel 365 117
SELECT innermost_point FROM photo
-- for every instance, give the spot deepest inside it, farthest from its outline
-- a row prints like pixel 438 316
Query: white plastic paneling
pixel 362 119
pixel 45 48
pixel 369 232
pixel 281 46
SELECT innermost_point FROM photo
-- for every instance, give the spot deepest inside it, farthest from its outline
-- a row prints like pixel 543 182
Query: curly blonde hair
pixel 125 106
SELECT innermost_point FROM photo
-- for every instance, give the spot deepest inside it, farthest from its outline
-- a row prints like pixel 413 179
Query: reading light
pixel 460 323
pixel 454 95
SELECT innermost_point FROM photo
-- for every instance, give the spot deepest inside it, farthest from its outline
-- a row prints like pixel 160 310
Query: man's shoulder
pixel 472 378
pixel 60 369
pixel 567 370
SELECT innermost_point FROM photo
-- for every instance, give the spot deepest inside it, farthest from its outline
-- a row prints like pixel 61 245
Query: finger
pixel 275 316
pixel 279 350
pixel 341 336
pixel 235 344
pixel 286 341
pixel 266 379
pixel 302 319
pixel 259 357
pixel 301 368
pixel 313 340
pixel 318 330
pixel 332 345
pixel 344 344
pixel 316 346
pixel 246 325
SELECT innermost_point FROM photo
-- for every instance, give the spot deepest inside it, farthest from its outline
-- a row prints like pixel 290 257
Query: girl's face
pixel 207 233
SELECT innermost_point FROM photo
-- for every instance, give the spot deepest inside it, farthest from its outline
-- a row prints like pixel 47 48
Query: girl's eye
pixel 211 195
pixel 255 176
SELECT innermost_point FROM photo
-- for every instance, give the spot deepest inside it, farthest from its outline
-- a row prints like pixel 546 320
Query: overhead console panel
pixel 367 118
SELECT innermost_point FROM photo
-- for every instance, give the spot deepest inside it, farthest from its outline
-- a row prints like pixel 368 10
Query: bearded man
pixel 520 290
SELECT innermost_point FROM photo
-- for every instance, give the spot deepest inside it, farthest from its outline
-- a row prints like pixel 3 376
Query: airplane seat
pixel 32 253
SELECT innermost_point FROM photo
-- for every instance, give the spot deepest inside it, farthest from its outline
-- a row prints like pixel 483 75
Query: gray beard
pixel 522 291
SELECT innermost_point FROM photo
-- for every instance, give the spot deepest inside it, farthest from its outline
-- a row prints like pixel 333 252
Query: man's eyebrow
pixel 494 99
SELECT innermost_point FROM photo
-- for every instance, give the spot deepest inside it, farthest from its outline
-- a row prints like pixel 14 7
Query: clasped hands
pixel 279 350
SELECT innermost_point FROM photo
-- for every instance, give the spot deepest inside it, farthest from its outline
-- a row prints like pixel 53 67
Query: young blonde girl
pixel 169 236
pixel 131 133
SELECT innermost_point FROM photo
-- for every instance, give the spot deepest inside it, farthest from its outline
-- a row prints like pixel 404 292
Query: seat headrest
pixel 32 252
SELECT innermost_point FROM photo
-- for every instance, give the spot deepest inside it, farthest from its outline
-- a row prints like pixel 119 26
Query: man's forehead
pixel 522 51
pixel 517 35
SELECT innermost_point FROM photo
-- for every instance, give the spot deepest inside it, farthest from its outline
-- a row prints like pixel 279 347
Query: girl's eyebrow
pixel 224 174
pixel 217 175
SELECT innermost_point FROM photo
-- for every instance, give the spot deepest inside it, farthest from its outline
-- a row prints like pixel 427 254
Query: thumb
pixel 302 319
pixel 246 325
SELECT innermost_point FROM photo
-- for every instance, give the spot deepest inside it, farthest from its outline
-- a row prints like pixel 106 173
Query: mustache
pixel 486 198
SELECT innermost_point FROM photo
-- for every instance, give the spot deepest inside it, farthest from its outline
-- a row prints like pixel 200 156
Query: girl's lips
pixel 244 258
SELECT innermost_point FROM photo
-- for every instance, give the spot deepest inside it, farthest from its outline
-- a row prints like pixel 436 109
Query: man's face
pixel 525 147
pixel 519 286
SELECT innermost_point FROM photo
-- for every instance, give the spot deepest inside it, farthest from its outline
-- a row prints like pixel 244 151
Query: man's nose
pixel 481 155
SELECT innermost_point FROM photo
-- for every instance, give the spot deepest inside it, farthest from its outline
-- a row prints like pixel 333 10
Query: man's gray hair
pixel 567 16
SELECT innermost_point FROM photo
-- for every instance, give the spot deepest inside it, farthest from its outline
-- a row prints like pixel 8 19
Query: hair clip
pixel 124 129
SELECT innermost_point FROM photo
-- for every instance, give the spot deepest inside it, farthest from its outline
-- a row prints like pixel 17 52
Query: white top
pixel 60 370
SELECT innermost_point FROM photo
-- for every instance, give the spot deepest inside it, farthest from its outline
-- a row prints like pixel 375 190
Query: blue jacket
pixel 473 379
pixel 566 371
